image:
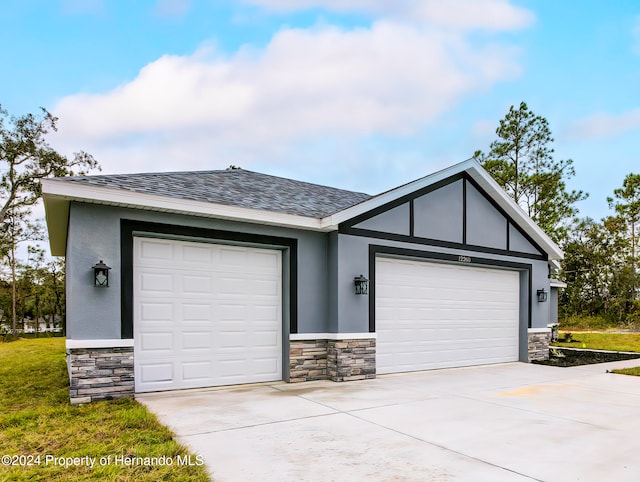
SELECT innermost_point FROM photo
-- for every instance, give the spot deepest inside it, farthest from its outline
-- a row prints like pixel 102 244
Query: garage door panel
pixel 434 315
pixel 196 340
pixel 232 257
pixel 196 284
pixel 196 371
pixel 157 341
pixel 200 255
pixel 192 312
pixel 156 373
pixel 268 313
pixel 265 338
pixel 198 321
pixel 156 311
pixel 151 251
pixel 151 282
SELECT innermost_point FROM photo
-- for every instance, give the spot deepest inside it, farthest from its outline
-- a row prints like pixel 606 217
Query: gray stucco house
pixel 229 277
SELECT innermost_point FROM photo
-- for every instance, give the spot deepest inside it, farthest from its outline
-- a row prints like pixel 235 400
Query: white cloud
pixel 600 126
pixel 262 108
pixel 496 15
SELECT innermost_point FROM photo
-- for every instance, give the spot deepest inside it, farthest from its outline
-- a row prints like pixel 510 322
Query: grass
pixel 635 371
pixel 36 419
pixel 584 323
pixel 602 341
pixel 605 341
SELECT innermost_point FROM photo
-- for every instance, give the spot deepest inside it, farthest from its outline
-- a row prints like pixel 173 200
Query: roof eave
pixel 57 195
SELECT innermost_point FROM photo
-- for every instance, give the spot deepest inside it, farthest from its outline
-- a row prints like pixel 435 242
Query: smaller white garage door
pixel 432 315
pixel 205 314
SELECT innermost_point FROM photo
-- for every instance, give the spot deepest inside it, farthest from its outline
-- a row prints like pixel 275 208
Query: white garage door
pixel 432 315
pixel 205 314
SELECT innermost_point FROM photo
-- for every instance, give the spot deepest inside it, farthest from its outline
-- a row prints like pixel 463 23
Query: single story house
pixel 196 279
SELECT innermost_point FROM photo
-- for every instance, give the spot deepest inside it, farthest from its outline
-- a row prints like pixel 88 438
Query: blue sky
pixel 359 94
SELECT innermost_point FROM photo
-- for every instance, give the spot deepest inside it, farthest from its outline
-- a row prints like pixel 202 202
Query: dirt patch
pixel 572 358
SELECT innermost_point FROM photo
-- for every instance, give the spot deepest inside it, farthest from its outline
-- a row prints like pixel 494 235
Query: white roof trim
pixel 120 197
pixel 482 177
pixel 57 195
pixel 554 283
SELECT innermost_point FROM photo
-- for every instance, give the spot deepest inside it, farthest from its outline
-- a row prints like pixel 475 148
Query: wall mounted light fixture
pixel 101 274
pixel 362 285
pixel 542 295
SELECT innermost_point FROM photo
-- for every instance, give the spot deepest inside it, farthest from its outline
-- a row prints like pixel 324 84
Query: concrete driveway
pixel 510 421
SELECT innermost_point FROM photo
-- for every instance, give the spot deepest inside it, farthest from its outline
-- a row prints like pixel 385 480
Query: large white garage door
pixel 432 315
pixel 205 314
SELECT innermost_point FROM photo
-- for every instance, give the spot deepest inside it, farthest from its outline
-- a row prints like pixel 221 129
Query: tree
pixel 17 228
pixel 26 157
pixel 624 288
pixel 522 162
pixel 591 263
pixel 626 203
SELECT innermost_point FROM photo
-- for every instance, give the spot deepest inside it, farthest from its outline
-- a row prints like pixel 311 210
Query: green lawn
pixel 602 341
pixel 635 371
pixel 605 341
pixel 36 419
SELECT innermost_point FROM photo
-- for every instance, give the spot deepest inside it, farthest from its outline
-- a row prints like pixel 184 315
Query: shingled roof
pixel 234 187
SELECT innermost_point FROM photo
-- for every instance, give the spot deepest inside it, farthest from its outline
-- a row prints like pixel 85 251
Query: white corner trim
pixel 539 330
pixel 331 336
pixel 113 343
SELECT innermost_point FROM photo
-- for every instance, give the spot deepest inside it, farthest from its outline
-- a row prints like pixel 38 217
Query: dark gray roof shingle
pixel 234 187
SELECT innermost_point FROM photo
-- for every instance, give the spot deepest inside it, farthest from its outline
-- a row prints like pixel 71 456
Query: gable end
pixel 454 212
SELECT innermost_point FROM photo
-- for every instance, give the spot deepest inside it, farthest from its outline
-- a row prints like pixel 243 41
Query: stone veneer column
pixel 100 373
pixel 307 360
pixel 539 339
pixel 351 359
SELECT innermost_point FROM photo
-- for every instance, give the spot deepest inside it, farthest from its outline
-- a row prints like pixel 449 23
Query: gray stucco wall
pixel 517 242
pixel 94 234
pixel 486 226
pixel 394 220
pixel 327 264
pixel 438 214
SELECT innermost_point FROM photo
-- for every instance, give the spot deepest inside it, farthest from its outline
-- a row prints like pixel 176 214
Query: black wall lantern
pixel 100 274
pixel 362 285
pixel 542 295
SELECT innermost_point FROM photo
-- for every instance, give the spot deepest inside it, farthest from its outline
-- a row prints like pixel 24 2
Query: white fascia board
pixel 118 197
pixel 554 283
pixel 332 222
pixel 484 179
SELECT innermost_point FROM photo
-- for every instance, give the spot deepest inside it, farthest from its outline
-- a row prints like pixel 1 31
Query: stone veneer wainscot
pixel 100 373
pixel 538 346
pixel 339 360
